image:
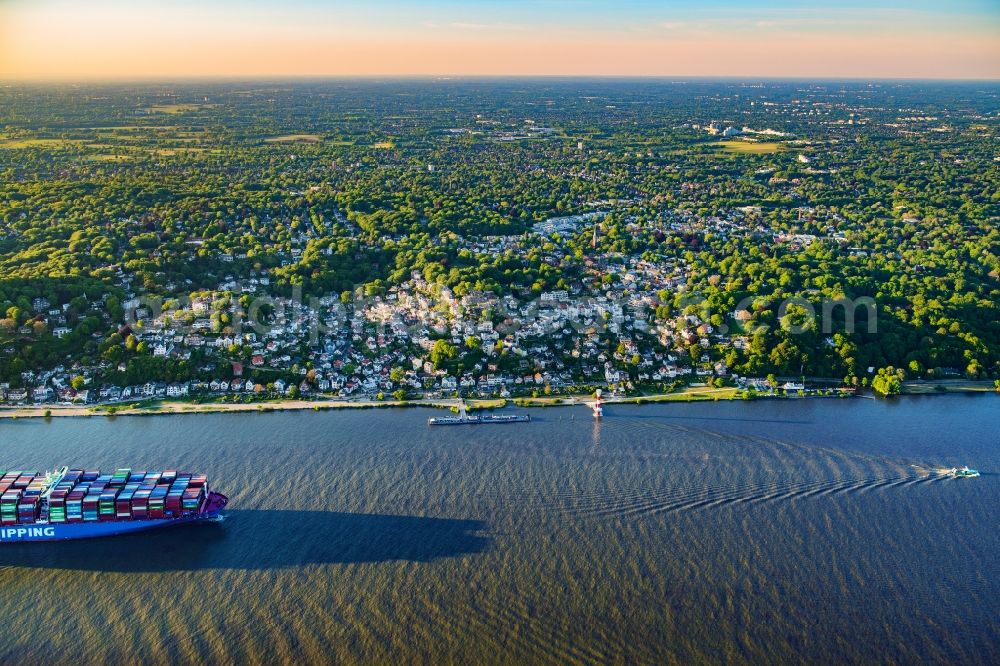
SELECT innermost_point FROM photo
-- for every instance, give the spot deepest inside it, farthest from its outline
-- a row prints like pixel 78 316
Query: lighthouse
pixel 596 405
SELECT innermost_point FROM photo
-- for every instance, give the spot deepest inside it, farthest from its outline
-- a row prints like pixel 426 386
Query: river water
pixel 769 531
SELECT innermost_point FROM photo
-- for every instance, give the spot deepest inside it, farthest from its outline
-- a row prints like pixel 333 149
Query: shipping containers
pixel 106 503
pixel 74 502
pixel 175 496
pixel 123 505
pixel 91 505
pixel 57 506
pixel 193 498
pixel 78 495
pixel 23 480
pixel 140 503
pixel 8 506
pixel 28 509
pixel 9 499
pixel 157 502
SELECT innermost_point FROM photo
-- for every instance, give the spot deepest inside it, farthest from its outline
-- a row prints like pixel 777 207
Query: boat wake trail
pixel 747 472
pixel 745 494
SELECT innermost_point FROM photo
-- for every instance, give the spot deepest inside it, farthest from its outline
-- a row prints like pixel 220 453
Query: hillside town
pixel 608 329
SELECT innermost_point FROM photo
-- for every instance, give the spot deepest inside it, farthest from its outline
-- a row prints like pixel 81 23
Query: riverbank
pixel 687 394
pixel 152 407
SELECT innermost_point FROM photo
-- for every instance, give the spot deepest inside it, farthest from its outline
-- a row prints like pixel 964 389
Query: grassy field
pixel 136 153
pixel 947 386
pixel 124 138
pixel 750 147
pixel 294 138
pixel 475 405
pixel 689 394
pixel 172 108
pixel 167 152
pixel 14 144
pixel 108 158
pixel 546 402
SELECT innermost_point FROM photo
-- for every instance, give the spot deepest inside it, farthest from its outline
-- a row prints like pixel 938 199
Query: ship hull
pixel 97 529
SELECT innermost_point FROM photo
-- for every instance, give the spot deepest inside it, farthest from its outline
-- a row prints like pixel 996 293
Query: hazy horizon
pixel 667 78
pixel 109 40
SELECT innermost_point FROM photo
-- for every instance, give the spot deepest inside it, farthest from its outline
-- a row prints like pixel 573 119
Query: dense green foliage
pixel 330 186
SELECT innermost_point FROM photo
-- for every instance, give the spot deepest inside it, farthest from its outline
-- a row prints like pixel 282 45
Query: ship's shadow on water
pixel 261 539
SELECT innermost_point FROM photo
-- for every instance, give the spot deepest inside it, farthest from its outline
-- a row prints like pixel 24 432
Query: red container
pixel 140 507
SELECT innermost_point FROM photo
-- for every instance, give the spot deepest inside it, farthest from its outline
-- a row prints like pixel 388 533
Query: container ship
pixel 77 504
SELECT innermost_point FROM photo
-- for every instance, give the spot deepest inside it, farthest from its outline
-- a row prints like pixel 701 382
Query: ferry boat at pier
pixel 463 418
pixel 474 420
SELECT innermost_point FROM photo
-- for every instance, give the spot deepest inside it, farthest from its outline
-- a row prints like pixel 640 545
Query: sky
pixel 156 39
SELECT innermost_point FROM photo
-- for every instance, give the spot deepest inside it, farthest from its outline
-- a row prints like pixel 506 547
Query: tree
pixel 442 352
pixel 78 383
pixel 888 381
